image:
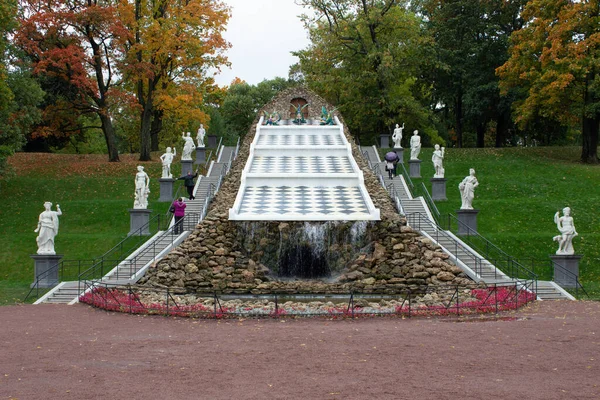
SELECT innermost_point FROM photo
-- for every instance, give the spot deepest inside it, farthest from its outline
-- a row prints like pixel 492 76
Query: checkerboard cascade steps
pixel 302 173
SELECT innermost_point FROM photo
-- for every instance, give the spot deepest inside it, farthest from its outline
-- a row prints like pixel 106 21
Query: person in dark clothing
pixel 189 183
pixel 179 213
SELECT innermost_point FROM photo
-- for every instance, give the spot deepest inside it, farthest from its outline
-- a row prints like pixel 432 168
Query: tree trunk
pixel 590 125
pixel 481 134
pixel 501 129
pixel 109 136
pixel 155 128
pixel 458 117
pixel 589 150
pixel 146 121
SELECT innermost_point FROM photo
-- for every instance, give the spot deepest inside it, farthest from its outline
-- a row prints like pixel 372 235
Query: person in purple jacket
pixel 179 213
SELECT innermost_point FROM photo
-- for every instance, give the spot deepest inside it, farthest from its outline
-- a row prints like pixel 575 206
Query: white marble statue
pixel 188 147
pixel 415 145
pixel 397 136
pixel 200 136
pixel 47 229
pixel 437 158
pixel 566 227
pixel 467 190
pixel 142 189
pixel 167 160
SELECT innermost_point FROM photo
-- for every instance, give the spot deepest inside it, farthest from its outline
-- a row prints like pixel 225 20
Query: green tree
pixel 19 92
pixel 77 42
pixel 173 43
pixel 243 101
pixel 366 58
pixel 471 41
pixel 555 60
pixel 7 22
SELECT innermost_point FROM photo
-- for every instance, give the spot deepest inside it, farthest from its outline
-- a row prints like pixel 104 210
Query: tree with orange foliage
pixel 555 61
pixel 78 42
pixel 172 47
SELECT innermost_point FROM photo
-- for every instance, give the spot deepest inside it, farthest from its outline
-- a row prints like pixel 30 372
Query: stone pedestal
pixel 414 168
pixel 166 189
pixel 46 265
pixel 568 274
pixel 200 155
pixel 438 189
pixel 467 221
pixel 186 166
pixel 138 221
pixel 384 141
pixel 212 141
pixel 400 153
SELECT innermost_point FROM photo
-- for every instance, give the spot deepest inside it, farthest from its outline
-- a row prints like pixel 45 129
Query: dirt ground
pixel 550 350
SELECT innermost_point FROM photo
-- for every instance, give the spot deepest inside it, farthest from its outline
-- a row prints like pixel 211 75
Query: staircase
pixel 420 218
pixel 132 268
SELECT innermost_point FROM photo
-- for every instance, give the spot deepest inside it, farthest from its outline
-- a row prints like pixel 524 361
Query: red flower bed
pixel 489 300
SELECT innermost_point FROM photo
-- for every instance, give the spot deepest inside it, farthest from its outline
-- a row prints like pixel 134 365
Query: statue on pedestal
pixel 326 116
pixel 47 229
pixel 188 147
pixel 200 136
pixel 299 113
pixel 397 136
pixel 437 158
pixel 467 190
pixel 566 227
pixel 167 160
pixel 272 118
pixel 415 145
pixel 142 189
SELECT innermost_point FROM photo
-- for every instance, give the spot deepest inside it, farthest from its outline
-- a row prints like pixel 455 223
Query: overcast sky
pixel 262 34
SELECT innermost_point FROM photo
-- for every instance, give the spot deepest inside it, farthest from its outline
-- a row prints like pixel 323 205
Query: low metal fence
pixel 445 300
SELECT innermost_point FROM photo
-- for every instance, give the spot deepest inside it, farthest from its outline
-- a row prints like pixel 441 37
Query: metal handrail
pixel 137 237
pixel 208 157
pixel 549 264
pixel 425 193
pixel 366 156
pixel 237 147
pixel 209 196
pixel 407 179
pixel 187 223
pixel 489 299
pixel 515 267
pixel 128 267
pixel 391 188
pixel 422 222
pixel 63 268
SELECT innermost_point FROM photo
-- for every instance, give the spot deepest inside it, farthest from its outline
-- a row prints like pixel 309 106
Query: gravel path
pixel 550 350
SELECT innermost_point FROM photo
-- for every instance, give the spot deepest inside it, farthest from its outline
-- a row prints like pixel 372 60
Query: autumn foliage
pixel 555 61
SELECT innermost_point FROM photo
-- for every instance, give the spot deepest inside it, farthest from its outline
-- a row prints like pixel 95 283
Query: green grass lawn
pixel 520 190
pixel 94 196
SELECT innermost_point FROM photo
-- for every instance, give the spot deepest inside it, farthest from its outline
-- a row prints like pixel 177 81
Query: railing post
pixel 215 303
pixel 168 301
pixel 457 302
pixel 276 307
pixel 496 296
pixel 130 298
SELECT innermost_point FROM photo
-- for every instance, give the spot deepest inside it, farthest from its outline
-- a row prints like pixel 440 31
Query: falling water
pixel 304 250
